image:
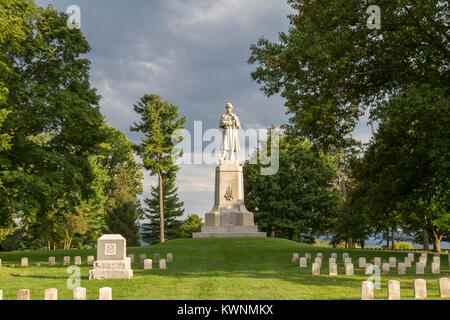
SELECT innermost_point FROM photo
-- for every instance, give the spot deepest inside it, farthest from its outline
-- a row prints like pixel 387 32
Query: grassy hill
pixel 215 269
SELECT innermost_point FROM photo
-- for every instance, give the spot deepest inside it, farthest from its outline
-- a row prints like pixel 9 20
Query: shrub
pixel 321 243
pixel 402 246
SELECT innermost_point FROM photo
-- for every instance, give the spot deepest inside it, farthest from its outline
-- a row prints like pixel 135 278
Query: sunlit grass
pixel 216 269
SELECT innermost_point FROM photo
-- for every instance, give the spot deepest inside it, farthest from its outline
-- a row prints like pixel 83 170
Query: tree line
pixel 66 176
pixel 331 69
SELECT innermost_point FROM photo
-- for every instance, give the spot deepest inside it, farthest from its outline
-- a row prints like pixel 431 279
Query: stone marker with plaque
pixel 112 262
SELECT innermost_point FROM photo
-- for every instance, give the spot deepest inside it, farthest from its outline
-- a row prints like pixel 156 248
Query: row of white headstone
pixel 369 268
pixel 52 261
pixel 52 294
pixel 156 257
pixel 393 289
pixel 90 260
pixel 377 260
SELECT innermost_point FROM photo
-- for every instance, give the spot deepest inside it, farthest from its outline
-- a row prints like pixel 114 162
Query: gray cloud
pixel 193 53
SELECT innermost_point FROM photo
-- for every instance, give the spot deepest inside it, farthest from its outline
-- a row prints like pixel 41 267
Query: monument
pixel 229 217
pixel 112 262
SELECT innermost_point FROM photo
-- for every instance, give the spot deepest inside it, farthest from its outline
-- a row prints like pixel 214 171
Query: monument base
pixel 102 274
pixel 111 270
pixel 229 218
pixel 229 235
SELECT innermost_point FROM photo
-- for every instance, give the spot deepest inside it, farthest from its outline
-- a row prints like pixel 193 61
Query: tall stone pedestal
pixel 229 217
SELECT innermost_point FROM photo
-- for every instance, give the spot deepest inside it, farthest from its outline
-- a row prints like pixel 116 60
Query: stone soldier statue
pixel 230 124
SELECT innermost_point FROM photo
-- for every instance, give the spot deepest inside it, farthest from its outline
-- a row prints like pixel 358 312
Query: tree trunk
pixel 387 238
pixel 436 241
pixel 426 240
pixel 350 243
pixel 161 209
pixel 392 239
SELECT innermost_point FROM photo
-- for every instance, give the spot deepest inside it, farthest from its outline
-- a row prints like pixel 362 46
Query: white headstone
pixel 377 261
pixel 148 264
pixel 105 293
pixel 23 294
pixel 408 262
pixel 51 261
pixel 331 261
pixel 303 262
pixel 367 290
pixel 385 268
pixel 411 256
pixel 369 269
pixel 142 257
pixel 169 257
pixel 162 263
pixel 315 269
pixel 393 290
pixel 131 256
pixel 51 294
pixel 392 262
pixel 420 268
pixel 66 261
pixel 423 260
pixel 24 262
pixel 79 293
pixel 78 261
pixel 444 287
pixel 333 269
pixel 295 257
pixel 349 270
pixel 420 288
pixel 435 268
pixel 401 269
pixel 362 262
pixel 318 260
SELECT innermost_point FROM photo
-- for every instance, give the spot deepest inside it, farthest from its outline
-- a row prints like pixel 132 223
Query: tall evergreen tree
pixel 159 124
pixel 173 209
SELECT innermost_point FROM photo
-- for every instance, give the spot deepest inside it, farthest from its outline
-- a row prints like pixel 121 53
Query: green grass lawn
pixel 216 269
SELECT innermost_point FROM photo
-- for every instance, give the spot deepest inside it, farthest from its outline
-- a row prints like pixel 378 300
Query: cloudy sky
pixel 191 52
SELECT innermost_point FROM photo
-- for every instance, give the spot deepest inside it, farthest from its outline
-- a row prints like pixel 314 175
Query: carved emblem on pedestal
pixel 228 194
pixel 110 249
